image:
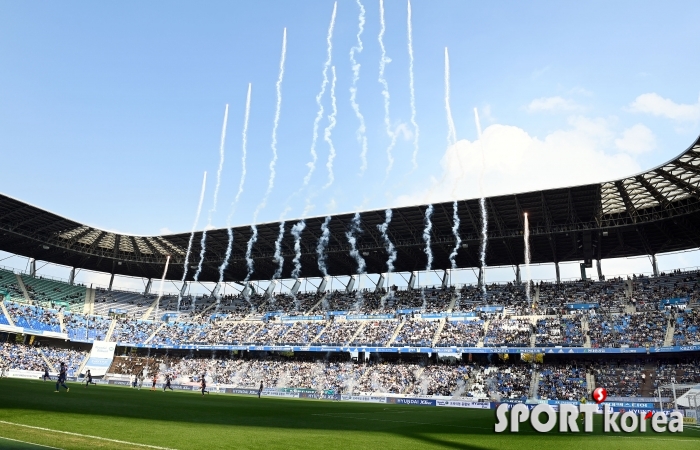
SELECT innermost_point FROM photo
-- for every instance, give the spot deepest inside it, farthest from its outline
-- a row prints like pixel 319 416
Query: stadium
pixel 444 345
pixel 355 330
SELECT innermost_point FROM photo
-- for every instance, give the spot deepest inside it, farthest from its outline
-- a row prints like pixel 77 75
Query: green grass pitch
pixel 186 420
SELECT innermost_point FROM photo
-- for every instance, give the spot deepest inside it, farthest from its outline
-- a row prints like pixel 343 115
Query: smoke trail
pixel 160 290
pixel 388 245
pixel 314 156
pixel 296 232
pixel 328 130
pixel 189 244
pixel 361 137
pixel 249 250
pixel 413 92
pixel 527 258
pixel 482 204
pixel 273 162
pixel 322 245
pixel 273 145
pixel 426 236
pixel 384 60
pixel 351 235
pixel 455 233
pixel 244 146
pixel 244 137
pixel 279 259
pixel 212 210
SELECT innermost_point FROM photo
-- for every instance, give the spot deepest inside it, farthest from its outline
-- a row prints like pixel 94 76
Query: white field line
pixel 86 436
pixel 27 442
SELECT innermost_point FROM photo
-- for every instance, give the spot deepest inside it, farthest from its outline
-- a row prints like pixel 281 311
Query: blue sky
pixel 111 112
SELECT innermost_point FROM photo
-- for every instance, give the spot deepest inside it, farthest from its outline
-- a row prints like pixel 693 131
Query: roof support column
pixel 183 289
pixel 583 271
pixel 295 288
pixel 32 267
pixel 482 280
pixel 269 292
pixel 654 265
pixel 111 281
pixel 351 284
pixel 518 280
pixel 600 270
pixel 412 280
pixel 216 290
pixel 71 276
pixel 445 279
pixel 380 283
pixel 556 267
pixel 148 287
pixel 322 286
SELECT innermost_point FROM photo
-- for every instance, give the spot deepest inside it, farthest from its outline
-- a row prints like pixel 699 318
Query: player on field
pixel 141 377
pixel 155 380
pixel 167 383
pixel 204 385
pixel 260 389
pixel 88 379
pixel 61 381
pixel 46 375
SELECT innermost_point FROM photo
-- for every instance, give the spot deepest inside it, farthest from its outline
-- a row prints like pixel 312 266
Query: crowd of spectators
pixel 86 328
pixel 464 333
pixel 632 330
pixel 687 328
pixel 26 357
pixel 418 333
pixel 133 331
pixel 338 332
pixel 34 317
pixel 562 331
pixel 376 333
pixel 562 382
pixel 303 333
pixel 512 332
pixel 620 380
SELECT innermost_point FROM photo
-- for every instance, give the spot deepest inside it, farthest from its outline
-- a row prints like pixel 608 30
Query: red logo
pixel 648 416
pixel 599 395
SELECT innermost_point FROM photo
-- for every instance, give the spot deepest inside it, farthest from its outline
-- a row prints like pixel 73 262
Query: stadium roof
pixel 653 212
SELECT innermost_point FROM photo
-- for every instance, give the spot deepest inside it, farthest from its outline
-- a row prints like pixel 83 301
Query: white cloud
pixel 656 105
pixel 553 104
pixel 165 230
pixel 636 139
pixel 517 162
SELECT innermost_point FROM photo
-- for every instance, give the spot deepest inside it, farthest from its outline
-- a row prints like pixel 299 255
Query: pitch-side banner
pixel 101 357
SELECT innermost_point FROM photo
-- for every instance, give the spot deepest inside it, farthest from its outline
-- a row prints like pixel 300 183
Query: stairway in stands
pixel 436 336
pixel 153 335
pixel 89 305
pixel 23 288
pixel 319 302
pixel 6 314
pixel 670 331
pixel 534 384
pixel 648 386
pixel 112 325
pixel 357 333
pixel 396 334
